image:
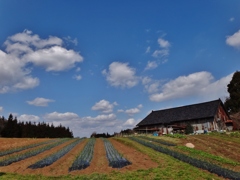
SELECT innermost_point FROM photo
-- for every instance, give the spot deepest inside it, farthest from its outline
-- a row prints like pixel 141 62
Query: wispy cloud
pixel 160 55
pixel 40 102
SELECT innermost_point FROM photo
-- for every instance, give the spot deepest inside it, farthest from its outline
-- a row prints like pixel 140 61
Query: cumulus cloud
pixel 28 118
pixel 195 84
pixel 1 109
pixel 121 75
pixel 234 40
pixel 104 106
pixel 84 126
pixel 25 50
pixel 14 74
pixel 40 102
pixel 55 58
pixel 130 123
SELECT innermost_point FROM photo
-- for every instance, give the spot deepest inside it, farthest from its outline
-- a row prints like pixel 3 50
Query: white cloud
pixel 56 116
pixel 25 49
pixel 131 111
pixel 150 85
pixel 40 102
pixel 130 123
pixel 163 43
pixel 151 65
pixel 28 118
pixel 1 109
pixel 86 125
pixel 26 38
pixel 104 106
pixel 55 58
pixel 121 75
pixel 197 84
pixel 234 40
pixel 160 53
pixel 14 75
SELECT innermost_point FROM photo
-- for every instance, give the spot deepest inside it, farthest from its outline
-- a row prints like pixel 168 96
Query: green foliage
pixel 176 135
pixel 232 103
pixel 189 129
pixel 159 141
pixel 235 134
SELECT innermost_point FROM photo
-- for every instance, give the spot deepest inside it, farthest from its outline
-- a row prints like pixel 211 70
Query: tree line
pixel 12 128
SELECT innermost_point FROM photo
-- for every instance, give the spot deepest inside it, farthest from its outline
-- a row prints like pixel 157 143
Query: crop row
pixel 84 158
pixel 158 141
pixel 115 159
pixel 18 149
pixel 11 159
pixel 226 173
pixel 54 157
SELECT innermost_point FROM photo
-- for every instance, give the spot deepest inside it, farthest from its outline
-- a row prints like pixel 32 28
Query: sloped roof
pixel 204 110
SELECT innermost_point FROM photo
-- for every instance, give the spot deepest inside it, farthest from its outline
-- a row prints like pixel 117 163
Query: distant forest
pixel 12 128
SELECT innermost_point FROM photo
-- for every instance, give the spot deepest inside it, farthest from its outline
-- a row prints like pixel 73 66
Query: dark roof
pixel 204 110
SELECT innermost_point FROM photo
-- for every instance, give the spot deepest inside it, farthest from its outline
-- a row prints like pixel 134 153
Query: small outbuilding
pixel 206 116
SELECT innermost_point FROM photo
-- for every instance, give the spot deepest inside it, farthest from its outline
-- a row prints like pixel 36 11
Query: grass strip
pixel 158 141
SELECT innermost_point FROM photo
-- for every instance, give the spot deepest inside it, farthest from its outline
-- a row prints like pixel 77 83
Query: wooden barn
pixel 207 116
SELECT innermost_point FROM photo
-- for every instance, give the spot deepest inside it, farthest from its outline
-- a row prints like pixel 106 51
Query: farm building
pixel 208 116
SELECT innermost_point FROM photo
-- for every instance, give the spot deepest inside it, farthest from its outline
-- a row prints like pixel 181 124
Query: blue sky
pixel 102 66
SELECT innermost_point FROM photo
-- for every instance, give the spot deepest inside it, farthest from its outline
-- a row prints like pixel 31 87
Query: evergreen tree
pixel 232 103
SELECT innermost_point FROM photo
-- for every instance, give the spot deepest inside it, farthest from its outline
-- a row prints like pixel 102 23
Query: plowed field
pixel 146 163
pixel 99 163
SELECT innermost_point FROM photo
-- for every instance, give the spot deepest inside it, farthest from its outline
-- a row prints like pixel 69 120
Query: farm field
pixel 219 150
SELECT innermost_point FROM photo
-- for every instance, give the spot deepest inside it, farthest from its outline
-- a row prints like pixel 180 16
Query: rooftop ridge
pixel 206 102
